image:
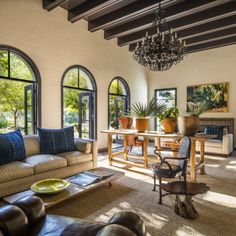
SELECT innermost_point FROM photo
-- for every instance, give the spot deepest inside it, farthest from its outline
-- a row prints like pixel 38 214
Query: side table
pixel 185 208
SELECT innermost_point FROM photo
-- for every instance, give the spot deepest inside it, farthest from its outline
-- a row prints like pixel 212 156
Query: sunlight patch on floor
pixel 229 167
pixel 212 165
pixel 218 158
pixel 232 162
pixel 187 231
pixel 220 199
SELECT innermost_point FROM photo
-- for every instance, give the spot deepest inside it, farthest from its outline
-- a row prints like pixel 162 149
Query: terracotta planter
pixel 169 125
pixel 188 125
pixel 142 124
pixel 125 122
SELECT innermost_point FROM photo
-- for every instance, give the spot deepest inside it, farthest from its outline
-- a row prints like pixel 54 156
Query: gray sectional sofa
pixel 20 175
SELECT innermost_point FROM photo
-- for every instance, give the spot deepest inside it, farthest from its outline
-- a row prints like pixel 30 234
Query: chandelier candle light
pixel 161 50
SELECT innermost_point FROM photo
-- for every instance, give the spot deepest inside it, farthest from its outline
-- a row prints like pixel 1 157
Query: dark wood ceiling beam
pixel 181 23
pixel 51 4
pixel 213 44
pixel 226 33
pixel 125 14
pixel 205 45
pixel 88 8
pixel 189 32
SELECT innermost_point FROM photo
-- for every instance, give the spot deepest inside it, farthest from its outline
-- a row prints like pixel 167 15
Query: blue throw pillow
pixel 12 147
pixel 216 130
pixel 54 141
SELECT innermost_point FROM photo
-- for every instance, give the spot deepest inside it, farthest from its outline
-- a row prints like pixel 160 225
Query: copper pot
pixel 169 125
pixel 125 122
pixel 142 124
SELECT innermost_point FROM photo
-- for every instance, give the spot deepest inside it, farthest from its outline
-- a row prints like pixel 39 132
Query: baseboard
pixel 103 149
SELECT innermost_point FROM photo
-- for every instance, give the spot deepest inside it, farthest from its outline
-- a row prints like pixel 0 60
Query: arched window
pixel 119 100
pixel 19 92
pixel 79 101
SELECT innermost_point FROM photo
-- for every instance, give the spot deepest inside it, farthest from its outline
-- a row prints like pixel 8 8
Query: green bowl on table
pixel 50 186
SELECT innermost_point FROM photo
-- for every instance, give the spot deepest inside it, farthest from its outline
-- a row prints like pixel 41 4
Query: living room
pixel 40 34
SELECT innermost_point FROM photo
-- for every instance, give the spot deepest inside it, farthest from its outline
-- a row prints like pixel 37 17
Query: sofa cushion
pixel 31 145
pixel 83 145
pixel 44 162
pixel 76 157
pixel 213 143
pixel 11 147
pixel 54 141
pixel 15 170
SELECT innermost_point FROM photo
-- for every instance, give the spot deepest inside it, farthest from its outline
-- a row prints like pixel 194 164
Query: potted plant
pixel 189 123
pixel 142 112
pixel 168 119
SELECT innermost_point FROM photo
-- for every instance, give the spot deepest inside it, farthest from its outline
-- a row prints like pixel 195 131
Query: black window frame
pixel 155 95
pixel 127 95
pixel 94 90
pixel 36 82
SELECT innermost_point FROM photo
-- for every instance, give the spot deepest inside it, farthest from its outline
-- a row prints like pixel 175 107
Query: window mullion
pixel 9 58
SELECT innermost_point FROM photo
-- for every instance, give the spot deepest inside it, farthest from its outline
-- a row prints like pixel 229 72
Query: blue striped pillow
pixel 12 147
pixel 215 129
pixel 54 141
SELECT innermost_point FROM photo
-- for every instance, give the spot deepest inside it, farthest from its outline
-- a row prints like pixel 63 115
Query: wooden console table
pixel 194 166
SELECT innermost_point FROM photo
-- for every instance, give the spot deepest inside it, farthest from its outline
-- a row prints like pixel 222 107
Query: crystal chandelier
pixel 161 50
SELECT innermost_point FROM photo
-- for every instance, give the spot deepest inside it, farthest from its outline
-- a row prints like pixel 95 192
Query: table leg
pixel 109 145
pixel 158 143
pixel 185 208
pixel 193 161
pixel 202 154
pixel 145 152
pixel 125 148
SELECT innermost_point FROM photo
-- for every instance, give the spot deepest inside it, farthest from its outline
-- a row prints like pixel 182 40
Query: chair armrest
pixel 13 221
pixel 88 146
pixel 130 220
pixel 33 208
pixel 227 143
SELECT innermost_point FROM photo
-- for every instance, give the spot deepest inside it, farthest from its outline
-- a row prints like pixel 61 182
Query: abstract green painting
pixel 215 96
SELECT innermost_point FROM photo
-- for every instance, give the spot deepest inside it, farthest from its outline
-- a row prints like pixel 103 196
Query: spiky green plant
pixel 140 110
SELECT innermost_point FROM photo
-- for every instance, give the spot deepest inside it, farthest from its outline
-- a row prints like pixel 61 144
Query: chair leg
pixel 142 150
pixel 130 148
pixel 160 191
pixel 154 184
pixel 185 177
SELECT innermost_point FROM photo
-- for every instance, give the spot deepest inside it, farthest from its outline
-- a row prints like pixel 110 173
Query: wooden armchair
pixel 167 170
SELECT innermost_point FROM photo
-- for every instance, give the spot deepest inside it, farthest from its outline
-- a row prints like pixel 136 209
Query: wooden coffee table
pixel 72 191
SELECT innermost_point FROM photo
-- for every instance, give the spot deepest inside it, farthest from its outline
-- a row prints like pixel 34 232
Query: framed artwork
pixel 214 95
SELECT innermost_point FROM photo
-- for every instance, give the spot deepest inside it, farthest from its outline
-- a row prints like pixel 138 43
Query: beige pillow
pixel 83 145
pixel 32 146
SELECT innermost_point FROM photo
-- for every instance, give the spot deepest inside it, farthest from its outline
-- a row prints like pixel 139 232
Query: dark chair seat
pixel 164 170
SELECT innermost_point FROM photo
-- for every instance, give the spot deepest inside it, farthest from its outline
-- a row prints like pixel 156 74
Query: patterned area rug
pixel 217 208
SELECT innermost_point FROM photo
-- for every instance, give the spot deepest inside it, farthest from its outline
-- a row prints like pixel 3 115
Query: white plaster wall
pixel 54 44
pixel 211 66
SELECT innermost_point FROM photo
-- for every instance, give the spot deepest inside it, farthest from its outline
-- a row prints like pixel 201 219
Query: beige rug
pixel 217 208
